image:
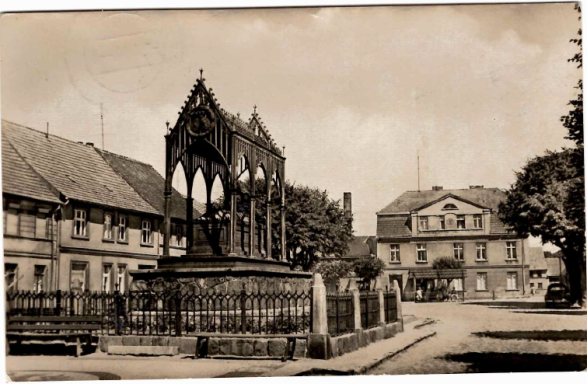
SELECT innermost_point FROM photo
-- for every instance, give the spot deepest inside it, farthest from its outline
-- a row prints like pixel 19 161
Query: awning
pixel 438 274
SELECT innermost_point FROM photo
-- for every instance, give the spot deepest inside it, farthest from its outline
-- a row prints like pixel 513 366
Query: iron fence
pixel 174 313
pixel 390 306
pixel 340 313
pixel 369 309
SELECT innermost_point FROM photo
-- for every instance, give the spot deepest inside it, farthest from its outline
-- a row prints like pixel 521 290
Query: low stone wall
pixel 340 345
pixel 219 346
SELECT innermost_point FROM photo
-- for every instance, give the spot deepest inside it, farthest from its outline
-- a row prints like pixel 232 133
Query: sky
pixel 355 94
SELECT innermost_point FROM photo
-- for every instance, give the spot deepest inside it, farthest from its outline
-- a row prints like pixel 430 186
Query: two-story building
pixel 420 226
pixel 76 217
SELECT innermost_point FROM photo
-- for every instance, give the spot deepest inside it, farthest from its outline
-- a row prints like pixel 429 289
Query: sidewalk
pixel 101 366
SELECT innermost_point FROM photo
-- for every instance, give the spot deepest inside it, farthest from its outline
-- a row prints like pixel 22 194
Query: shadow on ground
pixel 519 362
pixel 568 312
pixel 53 349
pixel 510 304
pixel 550 335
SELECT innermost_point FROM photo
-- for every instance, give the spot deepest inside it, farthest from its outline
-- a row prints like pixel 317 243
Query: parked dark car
pixel 557 295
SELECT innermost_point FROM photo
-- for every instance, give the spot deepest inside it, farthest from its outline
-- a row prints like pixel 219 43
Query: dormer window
pixel 442 223
pixel 477 221
pixel 423 223
pixel 449 207
pixel 461 222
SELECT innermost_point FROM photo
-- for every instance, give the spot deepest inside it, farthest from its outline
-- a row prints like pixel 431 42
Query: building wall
pixel 496 265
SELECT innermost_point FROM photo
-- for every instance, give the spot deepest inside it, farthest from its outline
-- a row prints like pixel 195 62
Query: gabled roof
pixel 447 196
pixel 149 184
pixel 76 170
pixel 359 247
pixel 412 200
pixel 396 226
pixel 18 178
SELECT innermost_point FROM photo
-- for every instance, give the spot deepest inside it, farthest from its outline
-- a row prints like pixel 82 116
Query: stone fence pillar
pixel 318 339
pixel 398 301
pixel 354 291
pixel 381 300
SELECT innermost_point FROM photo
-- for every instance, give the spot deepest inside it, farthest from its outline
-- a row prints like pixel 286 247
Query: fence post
pixel 178 314
pixel 244 311
pixel 318 340
pixel 398 304
pixel 116 313
pixel 58 302
pixel 354 291
pixel 381 300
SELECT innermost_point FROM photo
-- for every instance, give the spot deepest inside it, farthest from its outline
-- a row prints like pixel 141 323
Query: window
pixel 11 277
pixel 79 277
pixel 179 235
pixel 461 222
pixel 531 285
pixel 422 255
pixel 146 233
pixel 43 227
pixel 80 223
pixel 449 206
pixel 147 266
pixel 458 251
pixel 442 224
pixel 477 221
pixel 458 285
pixel 482 281
pixel 11 222
pixel 26 227
pixel 106 278
pixel 539 285
pixel 394 253
pixel 107 227
pixel 481 252
pixel 121 278
pixel 423 223
pixel 40 272
pixel 122 229
pixel 512 282
pixel 510 248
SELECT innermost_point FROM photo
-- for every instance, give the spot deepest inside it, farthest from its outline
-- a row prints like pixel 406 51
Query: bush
pixel 368 269
pixel 333 271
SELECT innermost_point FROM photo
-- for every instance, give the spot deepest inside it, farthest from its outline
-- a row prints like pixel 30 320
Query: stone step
pixel 142 350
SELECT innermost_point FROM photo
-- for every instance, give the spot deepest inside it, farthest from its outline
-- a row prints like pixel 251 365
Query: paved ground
pixel 494 336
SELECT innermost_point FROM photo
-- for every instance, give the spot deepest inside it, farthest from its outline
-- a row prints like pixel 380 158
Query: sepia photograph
pixel 281 191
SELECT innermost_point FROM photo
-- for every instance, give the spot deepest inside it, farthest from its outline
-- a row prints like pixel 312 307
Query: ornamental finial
pixel 255 109
pixel 201 73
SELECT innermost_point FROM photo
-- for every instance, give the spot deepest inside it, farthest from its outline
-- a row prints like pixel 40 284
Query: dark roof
pixel 359 247
pixel 18 178
pixel 537 260
pixel 76 170
pixel 149 184
pixel 412 200
pixel 396 226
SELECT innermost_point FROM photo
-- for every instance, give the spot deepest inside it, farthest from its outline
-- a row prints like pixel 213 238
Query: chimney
pixel 348 207
pixel 80 142
pixel 476 187
pixel 90 144
pixel 437 188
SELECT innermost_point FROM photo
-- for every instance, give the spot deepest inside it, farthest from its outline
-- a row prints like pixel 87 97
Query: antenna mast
pixel 102 122
pixel 418 155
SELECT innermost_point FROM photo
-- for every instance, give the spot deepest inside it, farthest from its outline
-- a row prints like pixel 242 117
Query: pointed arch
pixel 179 179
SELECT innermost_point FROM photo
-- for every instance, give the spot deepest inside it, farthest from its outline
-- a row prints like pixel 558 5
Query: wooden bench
pixel 289 348
pixel 53 327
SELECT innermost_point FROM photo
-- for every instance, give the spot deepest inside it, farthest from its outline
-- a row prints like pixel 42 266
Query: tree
pixel 333 271
pixel 444 263
pixel 368 269
pixel 548 200
pixel 315 225
pixel 548 197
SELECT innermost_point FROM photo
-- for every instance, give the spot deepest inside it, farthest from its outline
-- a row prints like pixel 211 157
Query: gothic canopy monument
pixel 242 233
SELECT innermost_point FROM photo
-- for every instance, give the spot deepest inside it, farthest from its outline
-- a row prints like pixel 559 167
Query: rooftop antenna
pixel 418 156
pixel 47 135
pixel 102 121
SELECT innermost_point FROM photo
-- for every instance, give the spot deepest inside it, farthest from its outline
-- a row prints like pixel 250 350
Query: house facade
pixel 420 226
pixel 79 218
pixel 538 271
